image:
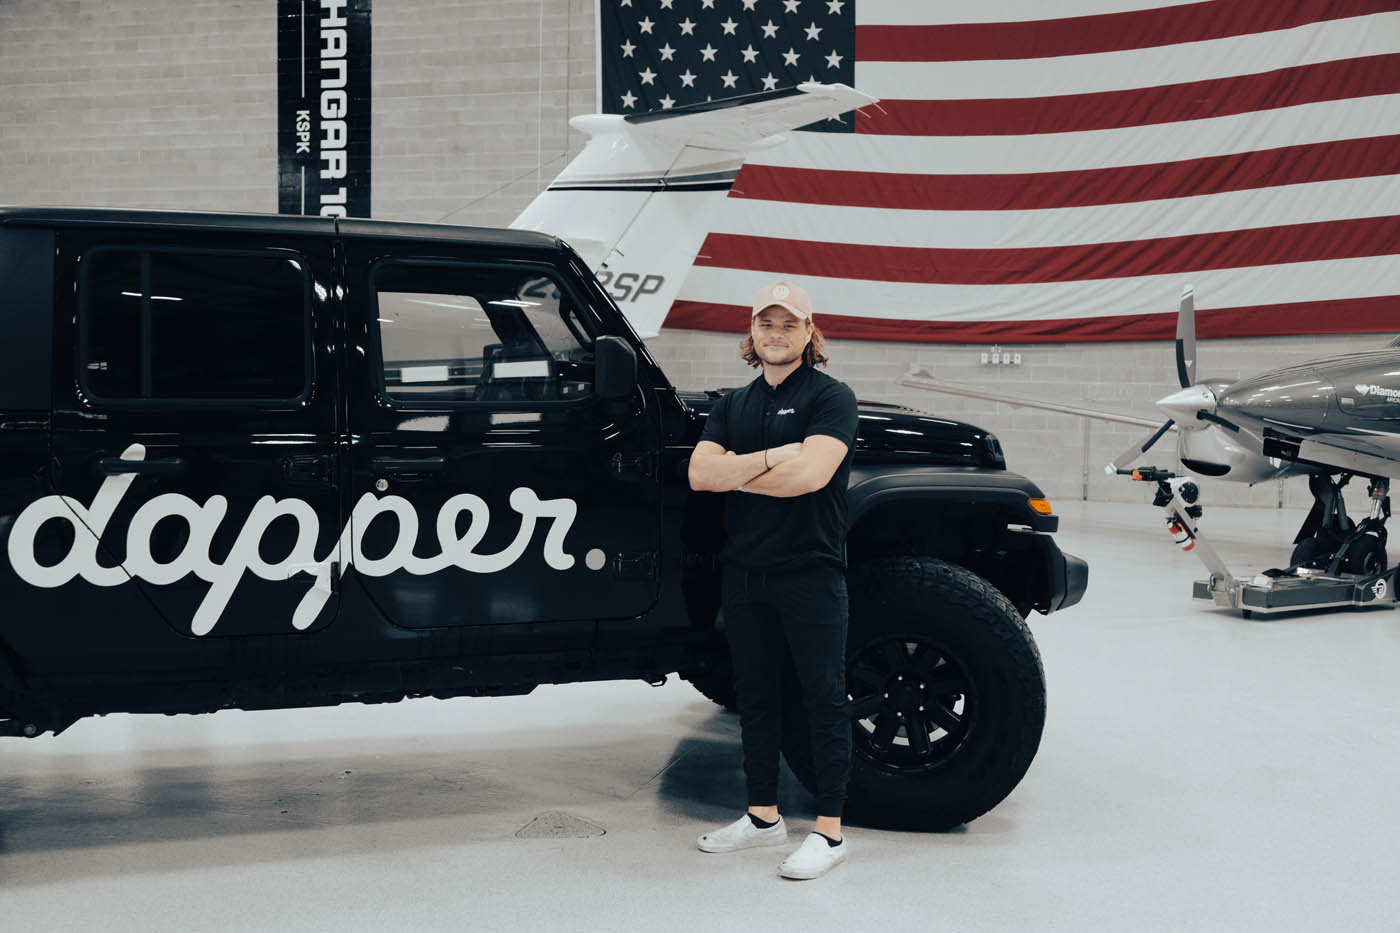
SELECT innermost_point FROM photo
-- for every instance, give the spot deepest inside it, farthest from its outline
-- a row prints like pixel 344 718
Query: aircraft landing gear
pixel 1332 542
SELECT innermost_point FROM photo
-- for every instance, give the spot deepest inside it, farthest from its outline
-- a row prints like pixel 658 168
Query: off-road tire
pixel 716 682
pixel 962 640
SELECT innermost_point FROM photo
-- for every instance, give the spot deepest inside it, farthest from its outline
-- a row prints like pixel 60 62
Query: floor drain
pixel 559 825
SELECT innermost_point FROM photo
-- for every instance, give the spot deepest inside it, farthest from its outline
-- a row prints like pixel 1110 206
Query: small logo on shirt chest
pixel 787 411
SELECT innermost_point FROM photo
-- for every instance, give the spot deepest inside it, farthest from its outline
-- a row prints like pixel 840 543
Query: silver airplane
pixel 1329 419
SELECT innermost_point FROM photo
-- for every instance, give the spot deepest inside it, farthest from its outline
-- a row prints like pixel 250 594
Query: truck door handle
pixel 309 469
pixel 111 466
pixel 402 465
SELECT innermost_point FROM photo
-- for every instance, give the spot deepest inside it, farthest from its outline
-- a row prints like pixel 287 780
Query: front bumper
pixel 1073 580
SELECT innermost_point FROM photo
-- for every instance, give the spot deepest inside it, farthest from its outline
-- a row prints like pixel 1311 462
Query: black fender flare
pixel 1062 577
pixel 1010 493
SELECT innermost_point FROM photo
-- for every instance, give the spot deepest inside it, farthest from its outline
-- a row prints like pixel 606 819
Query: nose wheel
pixel 1331 542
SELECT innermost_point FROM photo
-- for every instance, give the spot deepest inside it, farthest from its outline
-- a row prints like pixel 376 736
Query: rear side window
pixel 451 333
pixel 199 326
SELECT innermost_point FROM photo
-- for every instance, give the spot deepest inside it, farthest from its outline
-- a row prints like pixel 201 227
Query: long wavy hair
pixel 814 354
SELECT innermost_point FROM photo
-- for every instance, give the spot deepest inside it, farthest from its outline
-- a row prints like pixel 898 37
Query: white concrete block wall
pixel 172 104
pixel 151 103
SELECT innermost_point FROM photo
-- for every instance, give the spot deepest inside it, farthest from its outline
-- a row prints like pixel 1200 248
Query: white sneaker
pixel 742 834
pixel 814 858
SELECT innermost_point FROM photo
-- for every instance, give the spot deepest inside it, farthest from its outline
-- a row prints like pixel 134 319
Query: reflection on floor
pixel 1198 771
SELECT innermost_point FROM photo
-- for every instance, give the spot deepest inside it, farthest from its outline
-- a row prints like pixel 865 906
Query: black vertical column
pixel 323 107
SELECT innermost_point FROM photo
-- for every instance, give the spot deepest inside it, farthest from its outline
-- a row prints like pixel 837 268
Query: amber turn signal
pixel 1040 506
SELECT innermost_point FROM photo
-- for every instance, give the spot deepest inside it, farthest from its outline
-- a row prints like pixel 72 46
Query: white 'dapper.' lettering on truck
pixel 90 521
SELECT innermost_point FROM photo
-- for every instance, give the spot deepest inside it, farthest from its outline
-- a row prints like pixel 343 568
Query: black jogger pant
pixel 804 611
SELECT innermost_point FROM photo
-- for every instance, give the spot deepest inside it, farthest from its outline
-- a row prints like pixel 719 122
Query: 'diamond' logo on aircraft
pixel 1392 395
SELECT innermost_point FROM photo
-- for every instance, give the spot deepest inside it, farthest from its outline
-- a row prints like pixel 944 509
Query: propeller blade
pixel 1137 450
pixel 1186 338
pixel 1216 419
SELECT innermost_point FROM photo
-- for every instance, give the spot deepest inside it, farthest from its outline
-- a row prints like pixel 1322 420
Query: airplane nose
pixel 1181 406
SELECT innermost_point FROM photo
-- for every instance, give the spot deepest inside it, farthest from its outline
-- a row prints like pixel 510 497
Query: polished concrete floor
pixel 1198 772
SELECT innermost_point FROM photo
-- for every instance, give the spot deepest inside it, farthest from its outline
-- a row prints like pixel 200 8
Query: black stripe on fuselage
pixel 650 186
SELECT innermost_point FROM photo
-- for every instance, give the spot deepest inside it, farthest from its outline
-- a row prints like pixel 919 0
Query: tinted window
pixel 200 326
pixel 468 334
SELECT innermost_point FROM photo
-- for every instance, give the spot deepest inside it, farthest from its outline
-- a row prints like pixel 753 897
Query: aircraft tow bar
pixel 1176 496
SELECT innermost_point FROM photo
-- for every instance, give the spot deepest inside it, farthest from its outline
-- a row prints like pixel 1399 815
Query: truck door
pixel 489 483
pixel 198 439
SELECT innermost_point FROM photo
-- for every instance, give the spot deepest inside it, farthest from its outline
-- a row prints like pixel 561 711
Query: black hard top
pixel 271 223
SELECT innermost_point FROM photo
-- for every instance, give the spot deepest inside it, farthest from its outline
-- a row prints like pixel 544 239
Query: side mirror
pixel 614 367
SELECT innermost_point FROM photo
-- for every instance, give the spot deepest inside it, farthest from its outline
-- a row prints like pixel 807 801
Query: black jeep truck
pixel 269 461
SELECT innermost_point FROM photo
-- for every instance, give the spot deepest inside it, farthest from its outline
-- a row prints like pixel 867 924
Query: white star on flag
pixel 749 4
pixel 770 82
pixel 667 103
pixel 833 60
pixel 629 99
pixel 628 48
pixel 708 53
pixel 769 29
pixel 647 76
pixel 666 52
pixel 790 6
pixel 813 31
pixel 645 24
pixel 687 79
pixel 834 6
pixel 790 57
pixel 687 27
pixel 728 26
pixel 729 78
pixel 750 54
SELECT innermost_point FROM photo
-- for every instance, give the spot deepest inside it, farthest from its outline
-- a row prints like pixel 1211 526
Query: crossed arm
pixel 782 472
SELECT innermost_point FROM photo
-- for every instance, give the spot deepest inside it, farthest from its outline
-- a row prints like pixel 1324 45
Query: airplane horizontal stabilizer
pixel 636 202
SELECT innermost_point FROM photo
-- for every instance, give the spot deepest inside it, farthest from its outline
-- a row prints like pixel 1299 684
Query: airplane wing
pixel 921 379
pixel 636 202
pixel 1371 454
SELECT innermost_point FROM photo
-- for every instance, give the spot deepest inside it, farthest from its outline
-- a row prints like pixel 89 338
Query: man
pixel 781 449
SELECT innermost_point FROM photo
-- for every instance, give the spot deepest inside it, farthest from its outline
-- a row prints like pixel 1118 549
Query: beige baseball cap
pixel 784 295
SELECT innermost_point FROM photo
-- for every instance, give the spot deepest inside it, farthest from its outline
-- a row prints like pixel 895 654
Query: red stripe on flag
pixel 1109 32
pixel 1338 316
pixel 1196 100
pixel 1290 165
pixel 1263 246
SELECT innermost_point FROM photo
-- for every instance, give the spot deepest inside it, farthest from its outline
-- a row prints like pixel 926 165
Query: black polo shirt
pixel 771 533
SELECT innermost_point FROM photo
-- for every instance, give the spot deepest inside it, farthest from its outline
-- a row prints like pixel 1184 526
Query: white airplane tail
pixel 637 201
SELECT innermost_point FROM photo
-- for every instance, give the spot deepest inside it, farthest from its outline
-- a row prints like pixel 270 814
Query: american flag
pixel 1045 170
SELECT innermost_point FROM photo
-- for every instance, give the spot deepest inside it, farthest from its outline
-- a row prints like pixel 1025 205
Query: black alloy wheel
pixel 912 702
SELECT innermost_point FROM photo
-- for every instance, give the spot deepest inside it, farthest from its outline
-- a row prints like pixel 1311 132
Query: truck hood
pixel 890 434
